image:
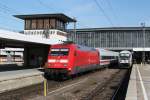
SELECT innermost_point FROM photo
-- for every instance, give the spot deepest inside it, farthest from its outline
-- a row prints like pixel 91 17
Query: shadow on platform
pixel 12 67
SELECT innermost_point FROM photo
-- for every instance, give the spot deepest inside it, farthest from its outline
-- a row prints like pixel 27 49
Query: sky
pixel 88 13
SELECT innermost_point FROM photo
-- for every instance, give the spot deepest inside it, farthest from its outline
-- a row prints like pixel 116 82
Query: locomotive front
pixel 58 60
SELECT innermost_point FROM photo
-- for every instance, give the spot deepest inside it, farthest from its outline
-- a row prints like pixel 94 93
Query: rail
pixel 123 84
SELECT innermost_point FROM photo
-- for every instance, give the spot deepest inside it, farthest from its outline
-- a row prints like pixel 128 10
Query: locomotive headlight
pixel 69 69
pixel 65 64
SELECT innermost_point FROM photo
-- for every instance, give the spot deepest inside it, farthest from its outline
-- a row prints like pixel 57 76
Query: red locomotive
pixel 71 59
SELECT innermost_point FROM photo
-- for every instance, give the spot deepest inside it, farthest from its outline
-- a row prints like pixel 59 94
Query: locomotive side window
pixel 59 52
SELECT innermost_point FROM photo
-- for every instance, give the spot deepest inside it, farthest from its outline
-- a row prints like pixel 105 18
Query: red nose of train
pixel 57 62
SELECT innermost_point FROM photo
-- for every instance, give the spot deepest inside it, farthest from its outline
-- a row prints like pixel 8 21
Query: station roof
pixel 10 38
pixel 111 29
pixel 60 16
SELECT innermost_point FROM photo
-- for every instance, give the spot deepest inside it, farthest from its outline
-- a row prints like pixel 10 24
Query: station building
pixel 135 39
pixel 50 27
pixel 45 25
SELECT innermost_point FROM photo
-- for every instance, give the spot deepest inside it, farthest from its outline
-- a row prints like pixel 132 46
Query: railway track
pixel 120 92
pixel 113 89
pixel 89 86
pixel 107 89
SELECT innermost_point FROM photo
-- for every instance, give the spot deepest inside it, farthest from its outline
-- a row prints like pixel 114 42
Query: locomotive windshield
pixel 59 52
pixel 124 56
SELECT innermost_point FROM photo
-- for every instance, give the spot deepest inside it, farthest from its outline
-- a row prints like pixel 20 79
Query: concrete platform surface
pixel 10 80
pixel 139 83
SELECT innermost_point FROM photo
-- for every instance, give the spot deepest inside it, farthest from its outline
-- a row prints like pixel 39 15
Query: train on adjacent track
pixel 70 59
pixel 125 59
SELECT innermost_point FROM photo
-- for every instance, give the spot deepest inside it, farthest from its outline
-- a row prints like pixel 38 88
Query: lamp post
pixel 143 29
pixel 75 30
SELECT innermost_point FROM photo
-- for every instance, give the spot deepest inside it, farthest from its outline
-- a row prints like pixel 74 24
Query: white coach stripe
pixel 143 88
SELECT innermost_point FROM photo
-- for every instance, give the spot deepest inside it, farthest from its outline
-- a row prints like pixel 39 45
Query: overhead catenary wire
pixel 112 10
pixel 45 5
pixel 6 25
pixel 103 11
pixel 7 9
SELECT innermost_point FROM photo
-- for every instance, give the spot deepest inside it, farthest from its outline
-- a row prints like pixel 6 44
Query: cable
pixel 4 9
pixel 7 9
pixel 112 9
pixel 103 11
pixel 4 25
pixel 44 5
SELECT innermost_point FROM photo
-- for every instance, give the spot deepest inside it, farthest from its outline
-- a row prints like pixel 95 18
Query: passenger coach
pixel 108 58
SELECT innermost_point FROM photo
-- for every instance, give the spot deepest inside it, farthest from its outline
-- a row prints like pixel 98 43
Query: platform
pixel 10 80
pixel 139 83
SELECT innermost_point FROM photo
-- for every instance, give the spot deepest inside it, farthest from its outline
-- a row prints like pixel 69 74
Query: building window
pixel 27 24
pixel 52 24
pixel 33 24
pixel 40 24
pixel 46 23
pixel 57 24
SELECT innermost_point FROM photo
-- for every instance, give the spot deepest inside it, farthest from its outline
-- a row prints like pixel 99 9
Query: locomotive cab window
pixel 59 52
pixel 124 56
